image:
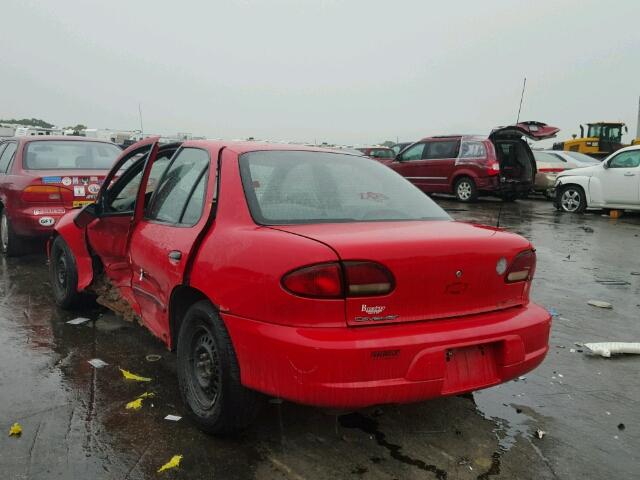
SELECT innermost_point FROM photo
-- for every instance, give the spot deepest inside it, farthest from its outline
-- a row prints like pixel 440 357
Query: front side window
pixel 6 156
pixel 293 187
pixel 183 179
pixel 413 153
pixel 69 155
pixel 630 159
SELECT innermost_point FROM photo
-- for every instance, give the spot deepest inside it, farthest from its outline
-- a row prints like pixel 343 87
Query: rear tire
pixel 572 199
pixel 209 374
pixel 63 274
pixel 465 190
pixel 11 245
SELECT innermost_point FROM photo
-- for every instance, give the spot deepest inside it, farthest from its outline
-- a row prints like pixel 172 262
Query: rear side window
pixel 473 150
pixel 7 155
pixel 293 187
pixel 69 155
pixel 441 149
pixel 179 197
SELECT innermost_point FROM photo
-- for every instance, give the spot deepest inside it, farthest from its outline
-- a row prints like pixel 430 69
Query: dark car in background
pixel 41 178
pixel 469 166
pixel 377 152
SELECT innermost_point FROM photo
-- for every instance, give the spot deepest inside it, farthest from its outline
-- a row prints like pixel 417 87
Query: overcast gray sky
pixel 339 71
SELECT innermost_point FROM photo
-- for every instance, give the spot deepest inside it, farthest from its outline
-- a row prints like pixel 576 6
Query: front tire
pixel 572 199
pixel 10 243
pixel 466 190
pixel 209 374
pixel 63 274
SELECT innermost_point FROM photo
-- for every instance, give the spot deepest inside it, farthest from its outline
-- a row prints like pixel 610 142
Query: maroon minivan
pixel 469 166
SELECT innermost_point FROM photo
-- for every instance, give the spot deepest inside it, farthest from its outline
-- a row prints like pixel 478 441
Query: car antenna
pixel 499 214
pixel 524 85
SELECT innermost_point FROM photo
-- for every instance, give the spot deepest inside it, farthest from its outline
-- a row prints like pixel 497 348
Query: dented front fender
pixel 75 237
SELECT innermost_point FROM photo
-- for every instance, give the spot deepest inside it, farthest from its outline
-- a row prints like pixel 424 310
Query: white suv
pixel 614 183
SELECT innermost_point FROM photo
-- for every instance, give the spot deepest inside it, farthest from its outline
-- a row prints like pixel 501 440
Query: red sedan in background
pixel 42 178
pixel 320 277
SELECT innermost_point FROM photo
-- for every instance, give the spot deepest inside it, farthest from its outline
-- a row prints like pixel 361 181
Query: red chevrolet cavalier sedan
pixel 320 277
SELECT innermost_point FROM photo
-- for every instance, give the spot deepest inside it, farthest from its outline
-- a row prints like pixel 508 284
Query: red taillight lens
pixel 42 194
pixel 317 281
pixel 493 168
pixel 325 280
pixel 365 279
pixel 522 267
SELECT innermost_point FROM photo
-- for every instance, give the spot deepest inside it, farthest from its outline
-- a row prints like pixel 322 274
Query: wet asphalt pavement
pixel 75 425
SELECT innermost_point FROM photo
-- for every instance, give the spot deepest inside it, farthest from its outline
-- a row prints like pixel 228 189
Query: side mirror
pixel 605 165
pixel 86 215
pixel 398 158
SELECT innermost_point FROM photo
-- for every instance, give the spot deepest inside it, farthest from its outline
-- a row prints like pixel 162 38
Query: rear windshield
pixel 292 187
pixel 547 158
pixel 69 155
pixel 581 157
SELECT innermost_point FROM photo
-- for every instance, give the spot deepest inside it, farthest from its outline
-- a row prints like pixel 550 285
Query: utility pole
pixel 638 124
pixel 524 85
pixel 141 127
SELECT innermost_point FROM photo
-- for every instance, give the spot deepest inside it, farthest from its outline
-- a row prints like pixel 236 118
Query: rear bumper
pixel 499 185
pixel 358 367
pixel 36 221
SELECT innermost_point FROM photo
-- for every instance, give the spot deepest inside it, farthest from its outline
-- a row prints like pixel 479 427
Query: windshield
pixel 607 132
pixel 287 187
pixel 69 155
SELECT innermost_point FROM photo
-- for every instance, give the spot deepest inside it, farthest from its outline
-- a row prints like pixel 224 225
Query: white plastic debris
pixel 97 363
pixel 540 434
pixel 606 349
pixel 173 418
pixel 599 304
pixel 78 321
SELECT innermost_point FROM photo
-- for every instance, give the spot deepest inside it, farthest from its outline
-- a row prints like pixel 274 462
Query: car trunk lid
pixel 441 269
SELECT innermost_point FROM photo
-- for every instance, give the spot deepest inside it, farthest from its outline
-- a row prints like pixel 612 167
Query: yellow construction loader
pixel 602 138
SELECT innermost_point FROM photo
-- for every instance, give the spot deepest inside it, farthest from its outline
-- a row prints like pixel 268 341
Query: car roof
pixel 49 138
pixel 456 137
pixel 245 147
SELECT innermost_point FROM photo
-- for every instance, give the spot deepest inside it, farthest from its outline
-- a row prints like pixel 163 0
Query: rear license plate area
pixel 469 368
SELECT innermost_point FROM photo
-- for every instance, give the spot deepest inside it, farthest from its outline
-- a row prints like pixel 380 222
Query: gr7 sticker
pixel 81 203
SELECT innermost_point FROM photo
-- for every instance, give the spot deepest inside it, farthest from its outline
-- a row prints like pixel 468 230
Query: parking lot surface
pixel 75 424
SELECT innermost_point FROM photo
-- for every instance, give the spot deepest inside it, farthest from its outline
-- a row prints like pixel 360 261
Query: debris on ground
pixel 132 376
pixel 15 430
pixel 613 282
pixel 97 363
pixel 540 433
pixel 635 273
pixel 78 321
pixel 615 213
pixel 621 426
pixel 599 304
pixel 173 418
pixel 153 357
pixel 553 312
pixel 173 463
pixel 135 404
pixel 606 349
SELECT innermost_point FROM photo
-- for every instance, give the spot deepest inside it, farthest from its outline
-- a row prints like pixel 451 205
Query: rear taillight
pixel 317 281
pixel 522 267
pixel 493 168
pixel 365 279
pixel 339 280
pixel 42 194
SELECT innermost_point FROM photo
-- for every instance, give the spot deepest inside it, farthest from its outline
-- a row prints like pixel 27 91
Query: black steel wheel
pixel 209 374
pixel 63 274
